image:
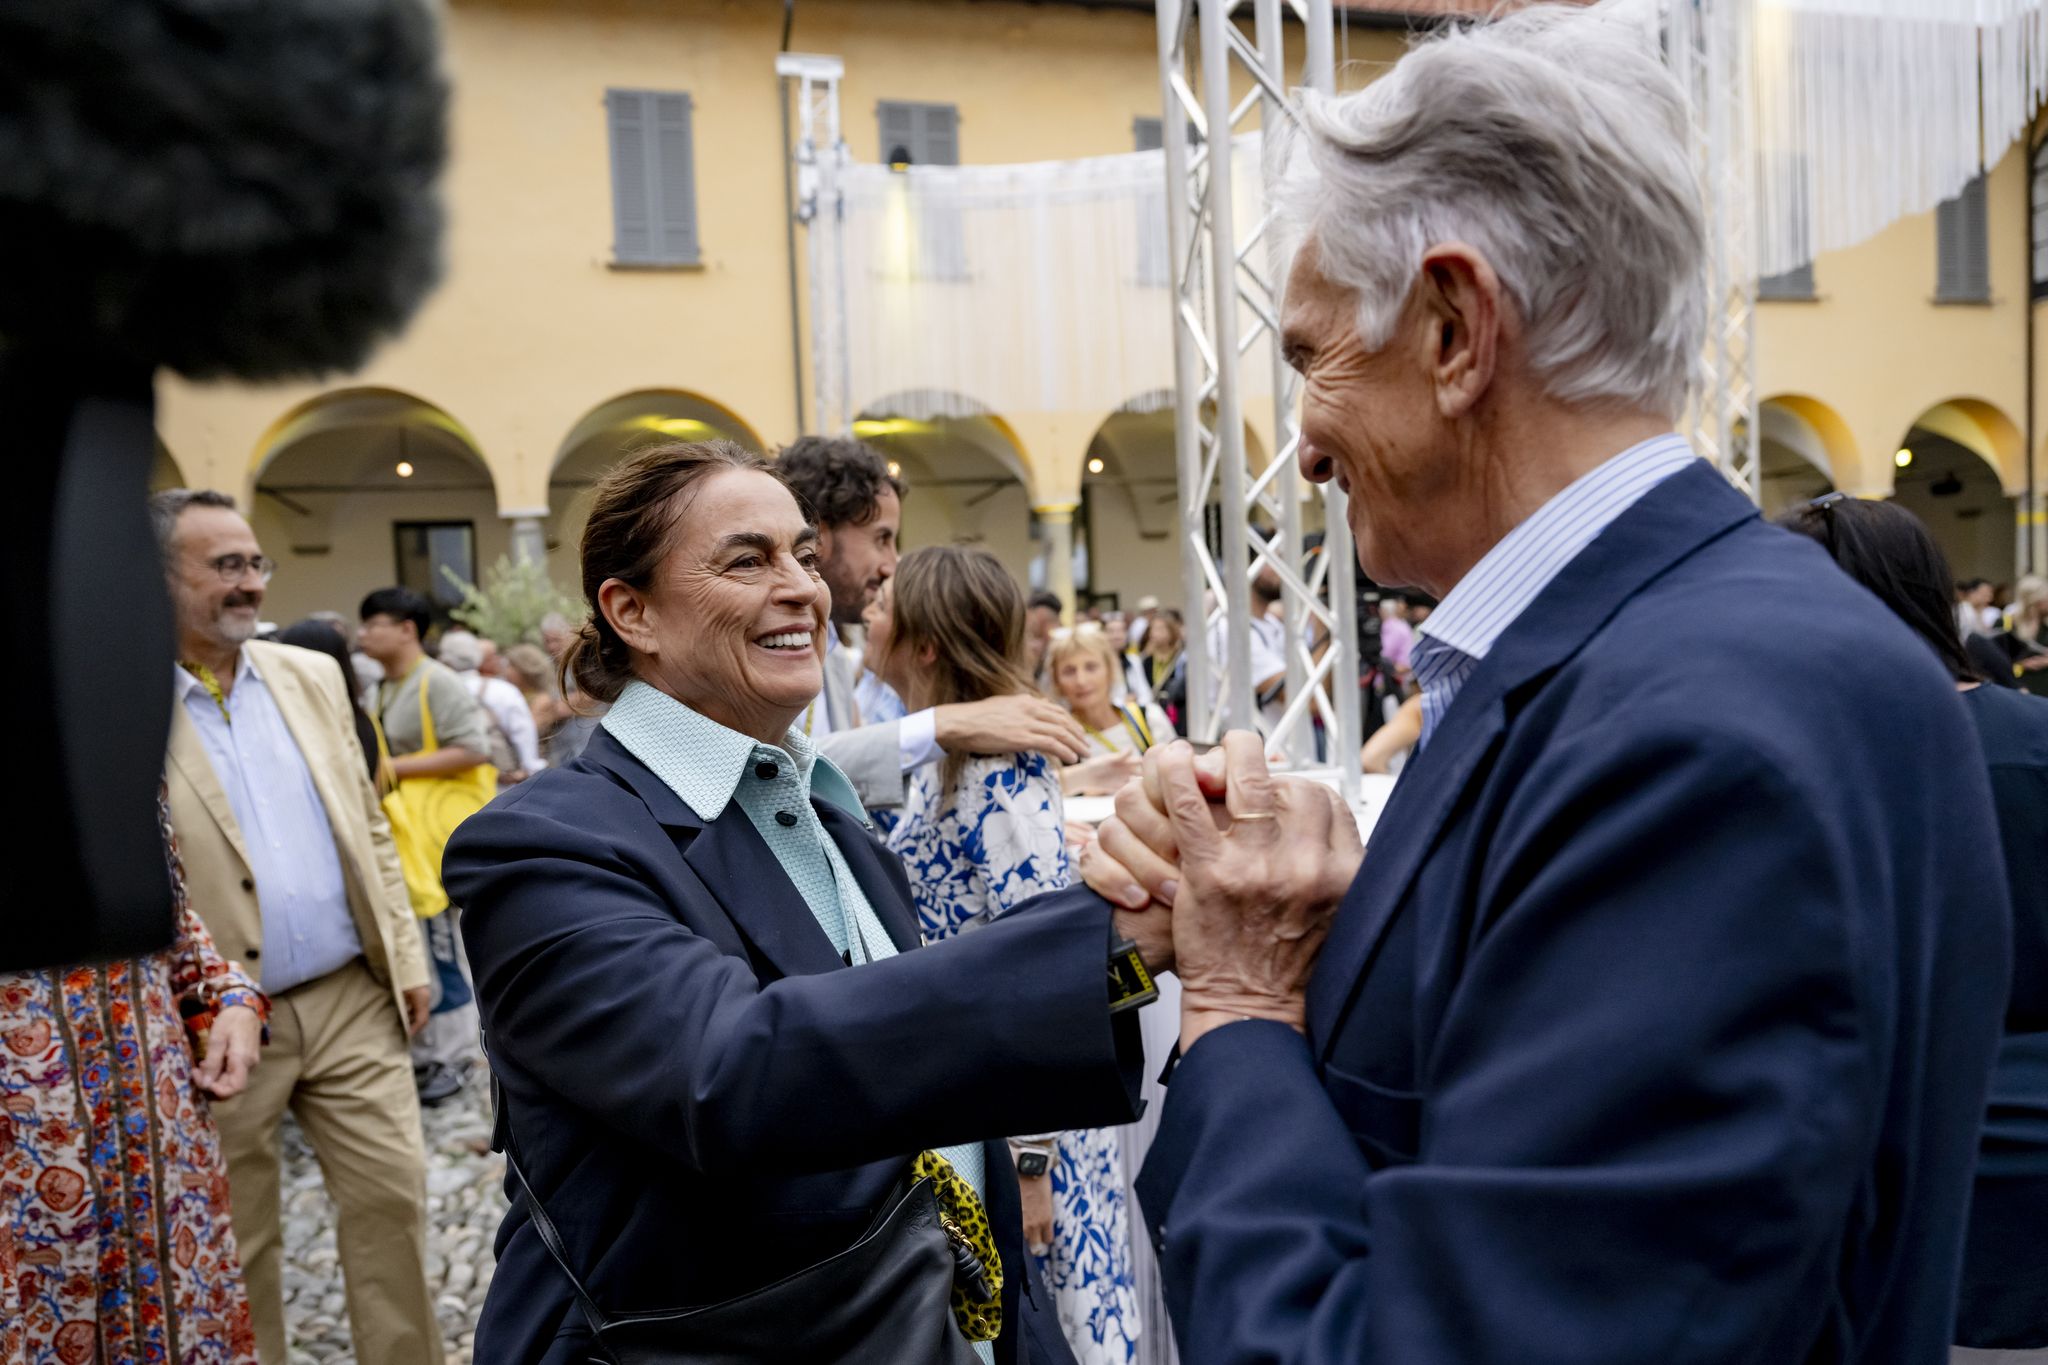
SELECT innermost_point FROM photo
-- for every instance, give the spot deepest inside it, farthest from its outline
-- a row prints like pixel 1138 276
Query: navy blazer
pixel 703 1095
pixel 1656 1027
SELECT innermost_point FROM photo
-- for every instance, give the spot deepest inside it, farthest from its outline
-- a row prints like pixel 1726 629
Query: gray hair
pixel 1555 143
pixel 166 507
pixel 461 650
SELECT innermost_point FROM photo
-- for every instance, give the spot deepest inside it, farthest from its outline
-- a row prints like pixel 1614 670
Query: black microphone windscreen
pixel 230 188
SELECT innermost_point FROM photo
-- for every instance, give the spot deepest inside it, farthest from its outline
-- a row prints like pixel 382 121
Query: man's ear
pixel 1460 298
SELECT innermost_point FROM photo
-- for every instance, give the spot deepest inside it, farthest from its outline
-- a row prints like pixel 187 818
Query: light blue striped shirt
pixel 300 889
pixel 1500 587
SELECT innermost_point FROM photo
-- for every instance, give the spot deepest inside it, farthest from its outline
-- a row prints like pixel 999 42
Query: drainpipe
pixel 796 322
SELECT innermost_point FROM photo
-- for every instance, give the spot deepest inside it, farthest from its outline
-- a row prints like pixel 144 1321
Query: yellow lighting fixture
pixel 1095 466
pixel 405 469
pixel 867 428
pixel 895 470
pixel 1903 458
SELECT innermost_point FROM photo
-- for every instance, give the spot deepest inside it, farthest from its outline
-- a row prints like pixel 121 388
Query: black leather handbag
pixel 885 1300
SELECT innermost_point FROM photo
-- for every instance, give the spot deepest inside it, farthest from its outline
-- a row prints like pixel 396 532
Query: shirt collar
pixel 183 682
pixel 1500 587
pixel 702 761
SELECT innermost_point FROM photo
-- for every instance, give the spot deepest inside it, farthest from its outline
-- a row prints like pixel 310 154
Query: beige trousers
pixel 337 1059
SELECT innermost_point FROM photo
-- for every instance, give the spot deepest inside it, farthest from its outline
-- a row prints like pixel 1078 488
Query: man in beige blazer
pixel 290 863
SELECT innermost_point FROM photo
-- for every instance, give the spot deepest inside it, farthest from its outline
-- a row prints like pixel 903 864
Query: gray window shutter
pixel 941 135
pixel 632 211
pixel 928 133
pixel 2039 190
pixel 1963 247
pixel 1796 283
pixel 676 174
pixel 1148 134
pixel 654 178
pixel 900 128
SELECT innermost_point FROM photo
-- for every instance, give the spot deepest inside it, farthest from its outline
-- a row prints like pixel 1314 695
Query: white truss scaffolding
pixel 1226 289
pixel 1710 44
pixel 821 159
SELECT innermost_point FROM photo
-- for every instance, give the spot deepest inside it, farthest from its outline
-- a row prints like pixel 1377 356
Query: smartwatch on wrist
pixel 1032 1155
pixel 1130 980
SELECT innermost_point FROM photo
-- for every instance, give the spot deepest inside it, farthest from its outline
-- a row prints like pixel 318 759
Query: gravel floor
pixel 465 1202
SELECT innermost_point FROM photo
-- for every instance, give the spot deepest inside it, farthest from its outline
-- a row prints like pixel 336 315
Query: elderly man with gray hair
pixel 1656 1025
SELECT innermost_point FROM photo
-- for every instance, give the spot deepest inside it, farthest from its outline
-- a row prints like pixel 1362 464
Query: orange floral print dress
pixel 114 1236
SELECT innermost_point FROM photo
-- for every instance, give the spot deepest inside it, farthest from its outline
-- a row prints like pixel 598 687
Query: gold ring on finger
pixel 1253 815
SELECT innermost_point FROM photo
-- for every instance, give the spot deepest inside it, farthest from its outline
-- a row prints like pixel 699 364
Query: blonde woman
pixel 1085 667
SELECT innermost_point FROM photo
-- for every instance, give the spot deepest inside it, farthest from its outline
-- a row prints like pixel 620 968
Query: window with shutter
pixel 928 135
pixel 1962 232
pixel 2039 192
pixel 654 178
pixel 1796 284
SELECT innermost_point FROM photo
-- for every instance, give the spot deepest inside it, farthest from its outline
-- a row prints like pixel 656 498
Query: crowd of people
pixel 1680 1013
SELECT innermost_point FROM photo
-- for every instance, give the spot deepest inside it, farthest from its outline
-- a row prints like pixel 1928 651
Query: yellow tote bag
pixel 424 811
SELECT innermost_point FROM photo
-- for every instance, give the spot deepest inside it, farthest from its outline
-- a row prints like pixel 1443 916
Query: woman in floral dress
pixel 114 1237
pixel 977 836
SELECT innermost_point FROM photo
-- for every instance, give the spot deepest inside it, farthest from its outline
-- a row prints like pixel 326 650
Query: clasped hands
pixel 1227 876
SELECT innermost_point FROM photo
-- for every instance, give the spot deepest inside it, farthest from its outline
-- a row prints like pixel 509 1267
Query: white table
pixel 1373 790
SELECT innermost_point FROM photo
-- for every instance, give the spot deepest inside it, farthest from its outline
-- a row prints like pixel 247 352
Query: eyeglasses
pixel 232 568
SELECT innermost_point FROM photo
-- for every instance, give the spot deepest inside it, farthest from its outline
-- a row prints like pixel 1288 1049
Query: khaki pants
pixel 337 1059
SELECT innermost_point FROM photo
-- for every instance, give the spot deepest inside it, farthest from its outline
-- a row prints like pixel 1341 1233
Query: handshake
pixel 1227 876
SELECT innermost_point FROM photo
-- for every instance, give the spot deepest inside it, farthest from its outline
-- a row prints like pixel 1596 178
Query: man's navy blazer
pixel 705 1097
pixel 1656 1027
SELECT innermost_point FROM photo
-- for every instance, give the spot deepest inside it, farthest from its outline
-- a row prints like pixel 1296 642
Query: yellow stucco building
pixel 548 350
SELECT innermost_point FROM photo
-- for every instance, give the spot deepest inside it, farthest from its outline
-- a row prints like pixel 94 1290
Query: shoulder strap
pixel 427 741
pixel 550 1236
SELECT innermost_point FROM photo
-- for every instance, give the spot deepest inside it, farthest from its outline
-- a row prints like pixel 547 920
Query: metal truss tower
pixel 821 155
pixel 1226 290
pixel 1710 44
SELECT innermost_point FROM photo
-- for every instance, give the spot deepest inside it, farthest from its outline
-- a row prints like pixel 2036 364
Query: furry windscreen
pixel 238 188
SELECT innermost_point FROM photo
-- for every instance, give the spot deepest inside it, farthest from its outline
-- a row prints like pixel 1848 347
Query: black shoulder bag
pixel 885 1300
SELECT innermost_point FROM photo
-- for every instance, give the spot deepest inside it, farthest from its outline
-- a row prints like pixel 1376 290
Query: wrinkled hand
pixel 1035 1193
pixel 1134 861
pixel 1005 725
pixel 232 1047
pixel 419 1003
pixel 1101 775
pixel 1259 883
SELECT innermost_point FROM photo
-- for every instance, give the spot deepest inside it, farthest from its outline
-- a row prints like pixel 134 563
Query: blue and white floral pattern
pixel 995 842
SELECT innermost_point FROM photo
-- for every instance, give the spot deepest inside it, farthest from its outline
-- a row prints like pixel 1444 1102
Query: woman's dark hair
pixel 962 603
pixel 837 480
pixel 400 604
pixel 326 638
pixel 1887 549
pixel 634 511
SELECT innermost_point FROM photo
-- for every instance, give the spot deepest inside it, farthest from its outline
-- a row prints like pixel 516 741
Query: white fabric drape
pixel 1046 287
pixel 1040 287
pixel 1869 111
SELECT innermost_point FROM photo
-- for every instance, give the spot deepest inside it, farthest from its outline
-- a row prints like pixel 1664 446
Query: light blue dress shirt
pixel 307 928
pixel 711 766
pixel 1499 588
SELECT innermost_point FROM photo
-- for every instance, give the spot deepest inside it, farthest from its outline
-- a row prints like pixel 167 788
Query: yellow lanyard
pixel 1140 732
pixel 212 686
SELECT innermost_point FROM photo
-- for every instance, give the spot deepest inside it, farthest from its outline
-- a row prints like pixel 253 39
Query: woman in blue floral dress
pixel 978 836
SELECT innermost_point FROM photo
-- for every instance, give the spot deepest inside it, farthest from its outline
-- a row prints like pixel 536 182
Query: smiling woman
pixel 723 1072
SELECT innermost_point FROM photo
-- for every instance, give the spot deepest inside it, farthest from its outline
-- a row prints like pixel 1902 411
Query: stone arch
pixel 165 471
pixel 968 472
pixel 1965 460
pixel 1805 448
pixel 608 432
pixel 360 488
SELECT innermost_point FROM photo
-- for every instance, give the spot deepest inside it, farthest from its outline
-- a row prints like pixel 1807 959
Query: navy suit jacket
pixel 1656 1027
pixel 703 1095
